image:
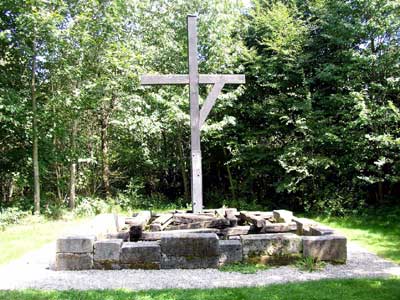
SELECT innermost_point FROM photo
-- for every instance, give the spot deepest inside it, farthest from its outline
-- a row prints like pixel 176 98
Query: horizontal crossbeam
pixel 184 79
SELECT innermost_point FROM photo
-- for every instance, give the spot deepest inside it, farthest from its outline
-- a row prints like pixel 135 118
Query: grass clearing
pixel 17 240
pixel 376 230
pixel 354 289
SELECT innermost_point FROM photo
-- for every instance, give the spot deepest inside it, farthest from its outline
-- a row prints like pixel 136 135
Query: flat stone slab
pixel 75 244
pixel 283 216
pixel 303 225
pixel 186 262
pixel 278 227
pixel 140 255
pixel 191 245
pixel 321 230
pixel 326 247
pixel 278 247
pixel 73 261
pixel 230 251
pixel 107 251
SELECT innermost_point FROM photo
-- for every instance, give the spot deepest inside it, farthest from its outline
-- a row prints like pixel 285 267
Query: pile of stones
pixel 275 237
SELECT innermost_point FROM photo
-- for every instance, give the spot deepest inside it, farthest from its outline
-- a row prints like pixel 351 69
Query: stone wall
pixel 201 250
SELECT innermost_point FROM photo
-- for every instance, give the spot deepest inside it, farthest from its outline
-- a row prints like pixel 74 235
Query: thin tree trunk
pixel 104 152
pixel 231 183
pixel 72 178
pixel 36 178
pixel 182 163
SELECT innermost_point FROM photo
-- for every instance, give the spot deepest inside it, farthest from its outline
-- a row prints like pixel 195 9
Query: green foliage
pixel 90 206
pixel 355 289
pixel 11 215
pixel 315 128
pixel 244 268
pixel 310 264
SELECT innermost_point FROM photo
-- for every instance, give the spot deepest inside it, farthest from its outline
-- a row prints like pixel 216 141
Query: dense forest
pixel 316 127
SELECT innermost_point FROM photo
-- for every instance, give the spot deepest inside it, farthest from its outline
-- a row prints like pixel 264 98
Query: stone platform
pixel 227 236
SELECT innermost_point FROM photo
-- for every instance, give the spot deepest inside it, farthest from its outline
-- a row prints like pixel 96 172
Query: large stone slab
pixel 230 251
pixel 278 227
pixel 277 248
pixel 326 247
pixel 73 261
pixel 321 230
pixel 106 254
pixel 190 245
pixel 303 225
pixel 283 216
pixel 187 262
pixel 190 251
pixel 75 244
pixel 140 255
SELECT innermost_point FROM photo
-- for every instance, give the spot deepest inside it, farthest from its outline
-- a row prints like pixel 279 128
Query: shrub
pixel 11 215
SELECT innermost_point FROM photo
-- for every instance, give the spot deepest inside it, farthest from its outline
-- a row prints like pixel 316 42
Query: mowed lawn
pixel 351 289
pixel 18 240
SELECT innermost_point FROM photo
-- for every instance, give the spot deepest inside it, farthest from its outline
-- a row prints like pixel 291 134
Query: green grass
pixel 310 264
pixel 378 231
pixel 349 289
pixel 244 268
pixel 18 240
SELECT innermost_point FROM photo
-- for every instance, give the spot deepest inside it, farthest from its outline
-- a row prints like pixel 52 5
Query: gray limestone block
pixel 278 227
pixel 186 262
pixel 321 230
pixel 283 216
pixel 303 225
pixel 230 251
pixel 191 245
pixel 275 244
pixel 73 261
pixel 107 250
pixel 75 244
pixel 140 255
pixel 326 247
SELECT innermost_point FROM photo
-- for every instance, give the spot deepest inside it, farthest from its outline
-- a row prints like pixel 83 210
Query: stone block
pixel 190 245
pixel 107 251
pixel 274 247
pixel 283 216
pixel 303 225
pixel 278 227
pixel 326 247
pixel 188 262
pixel 73 261
pixel 140 255
pixel 190 251
pixel 75 244
pixel 321 230
pixel 230 251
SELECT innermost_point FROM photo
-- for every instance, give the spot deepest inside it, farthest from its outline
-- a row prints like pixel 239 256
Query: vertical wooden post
pixel 197 181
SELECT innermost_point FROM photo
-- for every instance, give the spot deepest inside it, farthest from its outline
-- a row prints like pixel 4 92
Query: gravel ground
pixel 32 272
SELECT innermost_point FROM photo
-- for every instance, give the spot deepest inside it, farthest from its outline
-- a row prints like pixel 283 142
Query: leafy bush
pixel 11 215
pixel 92 206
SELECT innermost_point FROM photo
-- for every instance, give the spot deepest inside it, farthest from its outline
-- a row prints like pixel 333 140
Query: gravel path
pixel 32 272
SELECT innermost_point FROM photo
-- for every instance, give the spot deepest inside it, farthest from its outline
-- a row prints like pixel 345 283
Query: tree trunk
pixel 104 152
pixel 231 183
pixel 72 178
pixel 182 163
pixel 35 157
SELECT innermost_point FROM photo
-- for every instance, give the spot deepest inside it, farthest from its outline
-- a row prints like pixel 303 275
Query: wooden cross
pixel 197 116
